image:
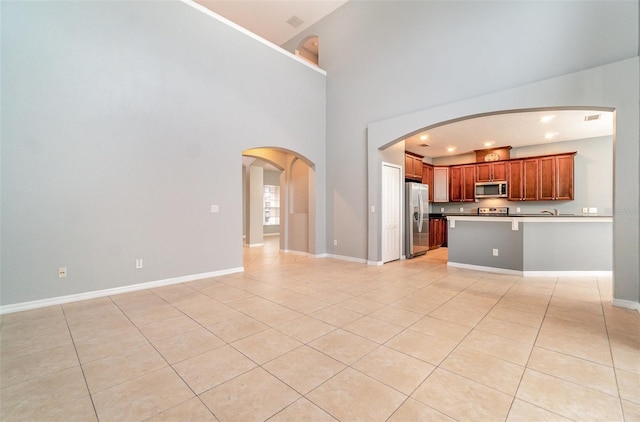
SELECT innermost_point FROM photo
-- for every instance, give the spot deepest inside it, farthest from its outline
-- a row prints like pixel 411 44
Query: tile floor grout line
pixel 526 365
pixel 610 347
pixel 84 377
pixel 438 366
pixel 163 357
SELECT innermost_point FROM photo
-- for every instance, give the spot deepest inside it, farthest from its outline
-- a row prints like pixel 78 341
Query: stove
pixel 493 211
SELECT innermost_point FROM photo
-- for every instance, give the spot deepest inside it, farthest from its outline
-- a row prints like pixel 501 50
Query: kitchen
pixel 546 166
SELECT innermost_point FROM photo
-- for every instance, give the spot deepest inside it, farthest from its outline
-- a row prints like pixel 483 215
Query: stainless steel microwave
pixel 491 190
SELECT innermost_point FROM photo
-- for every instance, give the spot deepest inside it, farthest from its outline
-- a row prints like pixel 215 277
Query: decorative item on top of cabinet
pixel 440 184
pixel 462 183
pixel 492 154
pixel 556 177
pixel 427 178
pixel 412 166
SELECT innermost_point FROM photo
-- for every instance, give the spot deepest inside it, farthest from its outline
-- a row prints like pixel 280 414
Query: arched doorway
pixel 308 49
pixel 296 219
pixel 586 132
pixel 596 86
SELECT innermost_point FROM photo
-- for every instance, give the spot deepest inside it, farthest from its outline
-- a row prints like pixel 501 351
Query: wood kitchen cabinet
pixel 491 172
pixel 413 167
pixel 427 178
pixel 462 181
pixel 437 232
pixel 522 177
pixel 440 184
pixel 548 178
pixel 556 177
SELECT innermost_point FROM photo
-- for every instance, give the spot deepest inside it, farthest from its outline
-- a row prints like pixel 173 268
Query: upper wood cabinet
pixel 462 181
pixel 522 177
pixel 413 167
pixel 427 178
pixel 491 172
pixel 440 184
pixel 548 178
pixel 556 177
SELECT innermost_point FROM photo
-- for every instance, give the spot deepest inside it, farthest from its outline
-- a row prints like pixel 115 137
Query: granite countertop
pixel 469 214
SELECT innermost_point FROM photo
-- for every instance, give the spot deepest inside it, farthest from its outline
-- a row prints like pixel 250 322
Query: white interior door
pixel 391 212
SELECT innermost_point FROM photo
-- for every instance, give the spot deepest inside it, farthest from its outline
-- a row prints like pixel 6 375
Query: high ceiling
pixel 279 21
pixel 273 20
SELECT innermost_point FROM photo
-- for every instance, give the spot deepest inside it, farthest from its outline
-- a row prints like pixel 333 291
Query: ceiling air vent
pixel 423 145
pixel 591 118
pixel 295 21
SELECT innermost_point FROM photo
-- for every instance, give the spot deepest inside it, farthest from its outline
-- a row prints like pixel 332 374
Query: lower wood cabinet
pixel 437 232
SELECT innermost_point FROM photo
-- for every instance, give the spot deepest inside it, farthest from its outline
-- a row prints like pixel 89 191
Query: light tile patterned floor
pixel 301 339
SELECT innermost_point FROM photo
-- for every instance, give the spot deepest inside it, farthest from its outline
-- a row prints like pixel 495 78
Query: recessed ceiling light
pixel 550 135
pixel 451 149
pixel 547 119
pixel 424 137
pixel 488 143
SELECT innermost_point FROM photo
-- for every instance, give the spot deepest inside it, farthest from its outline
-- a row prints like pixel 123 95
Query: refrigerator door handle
pixel 421 211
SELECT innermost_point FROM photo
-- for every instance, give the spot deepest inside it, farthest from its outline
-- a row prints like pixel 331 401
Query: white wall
pixel 122 123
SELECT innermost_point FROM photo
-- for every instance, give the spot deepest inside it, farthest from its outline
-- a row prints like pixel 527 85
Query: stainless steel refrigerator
pixel 416 220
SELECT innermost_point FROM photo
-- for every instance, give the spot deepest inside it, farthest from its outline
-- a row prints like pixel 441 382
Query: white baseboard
pixel 59 300
pixel 532 273
pixel 567 273
pixel 621 303
pixel 255 245
pixel 310 255
pixel 347 258
pixel 295 252
pixel 270 234
pixel 375 263
pixel 484 269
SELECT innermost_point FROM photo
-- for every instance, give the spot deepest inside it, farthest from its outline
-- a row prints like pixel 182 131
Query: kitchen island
pixel 544 245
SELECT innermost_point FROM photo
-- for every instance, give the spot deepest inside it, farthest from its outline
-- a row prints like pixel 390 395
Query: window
pixel 271 205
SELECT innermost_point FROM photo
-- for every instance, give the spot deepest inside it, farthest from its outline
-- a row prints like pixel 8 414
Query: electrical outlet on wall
pixel 139 263
pixel 495 252
pixel 335 242
pixel 62 272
